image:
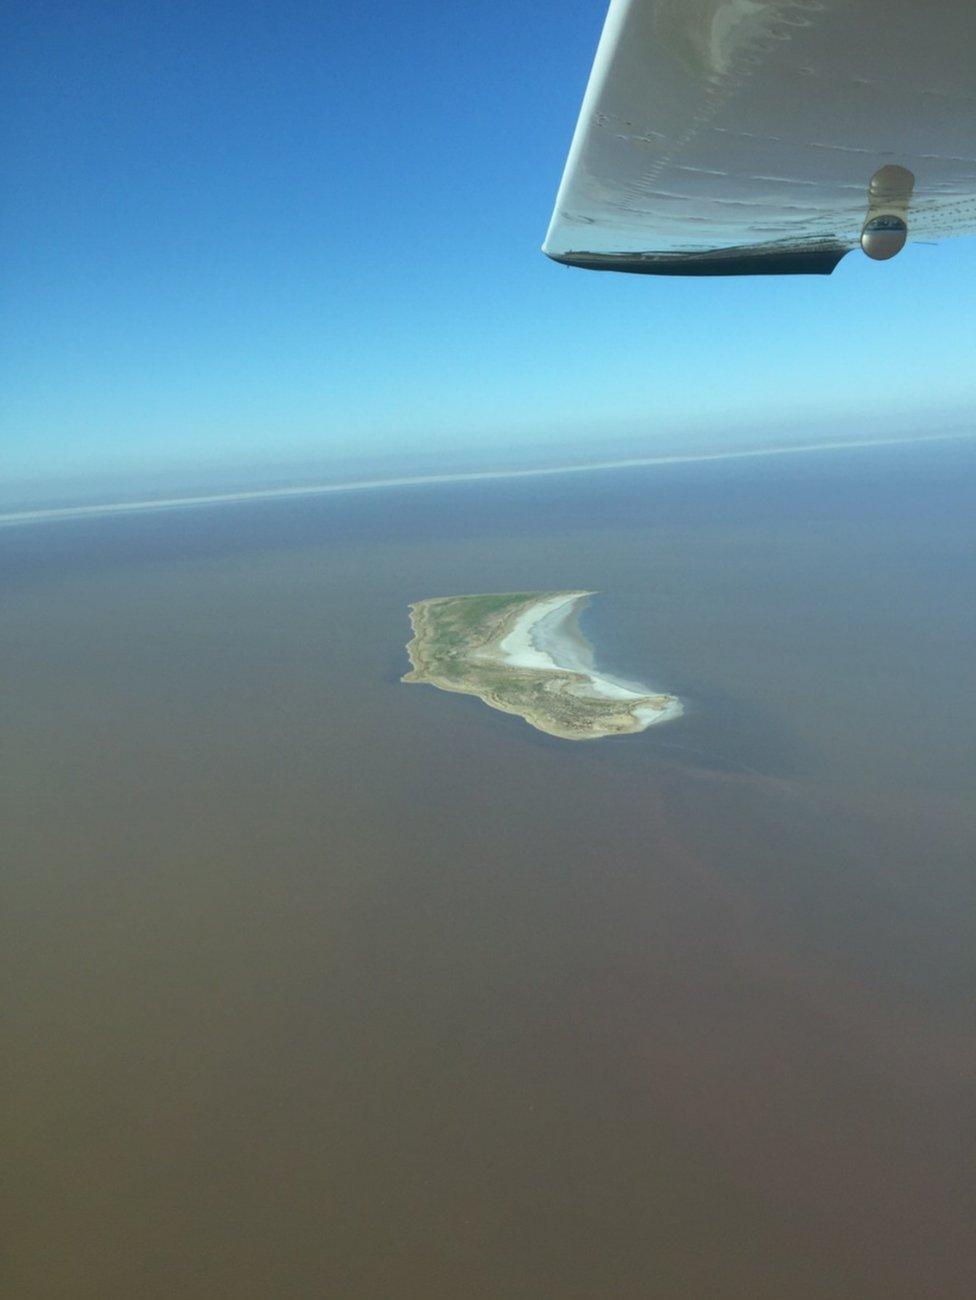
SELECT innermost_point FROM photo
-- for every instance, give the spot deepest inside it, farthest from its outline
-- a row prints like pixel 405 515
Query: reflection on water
pixel 329 987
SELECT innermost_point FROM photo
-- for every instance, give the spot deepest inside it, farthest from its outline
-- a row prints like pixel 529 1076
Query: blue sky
pixel 280 232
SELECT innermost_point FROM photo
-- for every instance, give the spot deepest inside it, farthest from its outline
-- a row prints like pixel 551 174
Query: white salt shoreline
pixel 544 637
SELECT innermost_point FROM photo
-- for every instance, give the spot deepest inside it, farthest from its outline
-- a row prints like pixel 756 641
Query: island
pixel 523 652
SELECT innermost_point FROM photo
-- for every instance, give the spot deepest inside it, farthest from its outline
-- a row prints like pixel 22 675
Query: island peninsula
pixel 523 653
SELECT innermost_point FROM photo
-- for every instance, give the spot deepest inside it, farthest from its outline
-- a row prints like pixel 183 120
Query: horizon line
pixel 56 513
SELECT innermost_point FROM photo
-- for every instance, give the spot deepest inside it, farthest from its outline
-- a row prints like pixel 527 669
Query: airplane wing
pixel 767 137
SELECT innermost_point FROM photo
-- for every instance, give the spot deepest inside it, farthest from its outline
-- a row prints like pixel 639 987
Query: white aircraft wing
pixel 756 137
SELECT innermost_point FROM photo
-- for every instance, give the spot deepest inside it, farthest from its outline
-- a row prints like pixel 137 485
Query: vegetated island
pixel 522 652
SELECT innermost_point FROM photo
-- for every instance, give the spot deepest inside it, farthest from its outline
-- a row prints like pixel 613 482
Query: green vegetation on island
pixel 489 646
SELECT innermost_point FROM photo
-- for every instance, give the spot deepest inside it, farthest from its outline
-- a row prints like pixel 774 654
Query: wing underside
pixel 722 137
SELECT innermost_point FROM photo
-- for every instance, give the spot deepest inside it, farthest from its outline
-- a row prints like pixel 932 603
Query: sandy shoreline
pixel 545 637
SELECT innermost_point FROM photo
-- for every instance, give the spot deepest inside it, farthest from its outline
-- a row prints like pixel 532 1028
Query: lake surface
pixel 323 985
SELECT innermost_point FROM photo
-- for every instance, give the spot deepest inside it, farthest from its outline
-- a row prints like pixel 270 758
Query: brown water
pixel 323 985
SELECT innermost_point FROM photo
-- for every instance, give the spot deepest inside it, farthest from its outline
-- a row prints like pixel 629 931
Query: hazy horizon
pixel 52 496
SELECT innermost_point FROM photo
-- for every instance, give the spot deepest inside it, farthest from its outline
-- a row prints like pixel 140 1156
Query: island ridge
pixel 523 653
